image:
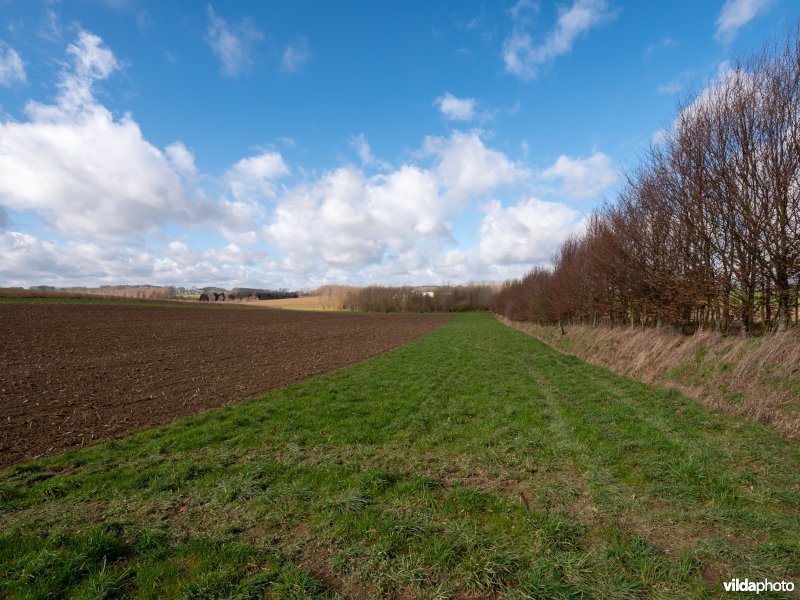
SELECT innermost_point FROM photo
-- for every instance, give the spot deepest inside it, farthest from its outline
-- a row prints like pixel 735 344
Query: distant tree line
pixel 242 293
pixel 460 298
pixel 140 292
pixel 705 232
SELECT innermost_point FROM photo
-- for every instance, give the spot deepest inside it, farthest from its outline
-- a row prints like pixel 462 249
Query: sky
pixel 291 144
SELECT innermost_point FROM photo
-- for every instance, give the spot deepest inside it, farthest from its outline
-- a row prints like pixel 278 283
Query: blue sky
pixel 292 144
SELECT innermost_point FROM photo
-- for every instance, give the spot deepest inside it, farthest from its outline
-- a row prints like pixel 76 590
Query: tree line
pixel 705 231
pixel 460 298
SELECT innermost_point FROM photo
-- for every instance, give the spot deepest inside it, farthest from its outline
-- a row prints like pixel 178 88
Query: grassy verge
pixel 475 462
pixel 755 377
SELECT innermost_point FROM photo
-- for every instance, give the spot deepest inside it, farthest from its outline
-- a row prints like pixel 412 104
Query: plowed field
pixel 73 375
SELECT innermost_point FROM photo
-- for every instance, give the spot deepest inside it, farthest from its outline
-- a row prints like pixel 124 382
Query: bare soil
pixel 73 375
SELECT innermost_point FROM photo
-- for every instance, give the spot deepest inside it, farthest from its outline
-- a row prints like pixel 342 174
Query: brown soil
pixel 74 375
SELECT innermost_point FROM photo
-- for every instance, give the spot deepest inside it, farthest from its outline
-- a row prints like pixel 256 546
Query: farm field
pixel 77 373
pixel 475 462
pixel 302 303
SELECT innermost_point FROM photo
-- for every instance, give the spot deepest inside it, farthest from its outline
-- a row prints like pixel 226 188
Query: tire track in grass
pixel 663 478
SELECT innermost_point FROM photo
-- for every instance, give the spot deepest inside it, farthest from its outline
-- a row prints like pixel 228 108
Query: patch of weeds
pixel 351 500
pixel 106 582
pixel 700 354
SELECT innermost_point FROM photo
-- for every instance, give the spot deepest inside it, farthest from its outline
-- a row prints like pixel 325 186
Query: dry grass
pixel 302 303
pixel 755 377
pixel 335 296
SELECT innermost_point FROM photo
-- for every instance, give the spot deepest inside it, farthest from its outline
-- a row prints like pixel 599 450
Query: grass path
pixel 475 462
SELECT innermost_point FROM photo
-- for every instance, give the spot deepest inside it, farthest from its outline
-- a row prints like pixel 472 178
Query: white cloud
pixel 526 233
pixel 388 227
pixel 735 14
pixel 467 168
pixel 256 175
pixel 457 109
pixel 295 56
pixel 82 171
pixel 91 62
pixel 11 68
pixel 29 260
pixel 113 201
pixel 90 58
pixel 725 78
pixel 251 181
pixel 582 177
pixel 348 221
pixel 232 45
pixel 181 158
pixel 523 58
pixel 360 144
pixel 241 219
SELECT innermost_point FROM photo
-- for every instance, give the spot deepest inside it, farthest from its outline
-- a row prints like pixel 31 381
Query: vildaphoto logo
pixel 746 585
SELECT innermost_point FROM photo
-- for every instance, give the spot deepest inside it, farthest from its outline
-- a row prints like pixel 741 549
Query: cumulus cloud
pixel 233 45
pixel 181 157
pixel 115 201
pixel 295 56
pixel 91 59
pixel 12 71
pixel 582 177
pixel 525 233
pixel 457 109
pixel 735 14
pixel 256 175
pixel 348 220
pixel 466 167
pixel 251 181
pixel 28 259
pixel 83 171
pixel 391 226
pixel 522 57
pixel 230 265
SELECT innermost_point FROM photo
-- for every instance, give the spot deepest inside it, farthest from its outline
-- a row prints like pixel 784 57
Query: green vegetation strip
pixel 473 462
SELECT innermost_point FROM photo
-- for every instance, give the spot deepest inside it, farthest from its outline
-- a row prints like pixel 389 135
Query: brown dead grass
pixel 758 378
pixel 302 303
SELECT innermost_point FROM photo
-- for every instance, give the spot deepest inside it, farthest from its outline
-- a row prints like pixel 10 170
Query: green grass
pixel 474 462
